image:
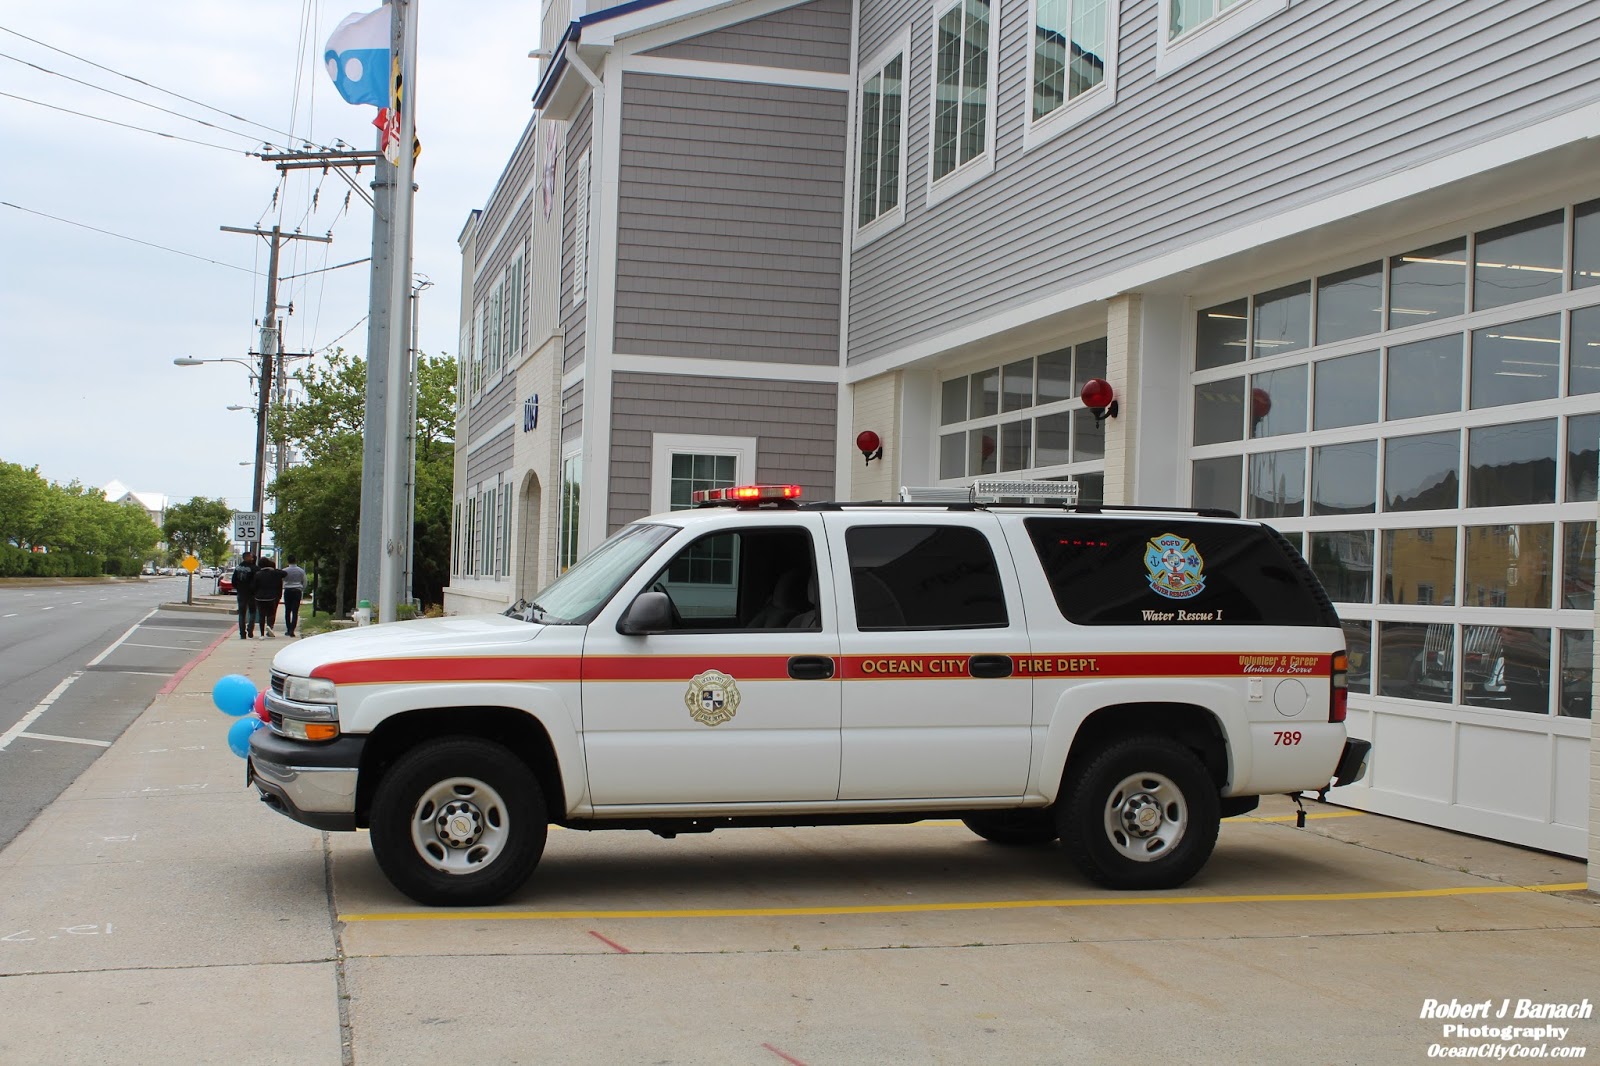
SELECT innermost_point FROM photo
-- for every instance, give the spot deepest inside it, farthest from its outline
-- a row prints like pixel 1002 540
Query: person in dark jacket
pixel 268 586
pixel 244 593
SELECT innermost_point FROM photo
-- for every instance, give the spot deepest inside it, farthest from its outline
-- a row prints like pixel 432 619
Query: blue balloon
pixel 239 734
pixel 234 694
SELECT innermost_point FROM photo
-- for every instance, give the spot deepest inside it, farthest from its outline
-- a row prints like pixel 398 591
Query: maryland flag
pixel 388 120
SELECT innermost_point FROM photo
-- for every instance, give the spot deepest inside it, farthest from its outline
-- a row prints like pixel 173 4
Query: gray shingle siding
pixel 1317 100
pixel 510 190
pixel 730 206
pixel 492 457
pixel 813 36
pixel 792 421
pixel 491 408
pixel 572 318
pixel 572 413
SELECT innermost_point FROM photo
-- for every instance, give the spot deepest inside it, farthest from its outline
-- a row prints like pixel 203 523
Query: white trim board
pixel 695 68
pixel 685 366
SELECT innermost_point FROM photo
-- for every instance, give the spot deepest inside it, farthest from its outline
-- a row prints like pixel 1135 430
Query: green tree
pixel 318 513
pixel 23 496
pixel 193 527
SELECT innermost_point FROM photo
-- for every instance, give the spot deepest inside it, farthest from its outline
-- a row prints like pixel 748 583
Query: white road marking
pixel 75 603
pixel 98 659
pixel 168 647
pixel 13 614
pixel 43 705
pixel 65 740
pixel 47 608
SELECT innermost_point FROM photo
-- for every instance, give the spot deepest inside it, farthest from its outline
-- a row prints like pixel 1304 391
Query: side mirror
pixel 651 612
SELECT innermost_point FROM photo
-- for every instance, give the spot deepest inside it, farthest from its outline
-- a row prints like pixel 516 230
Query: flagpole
pixel 396 537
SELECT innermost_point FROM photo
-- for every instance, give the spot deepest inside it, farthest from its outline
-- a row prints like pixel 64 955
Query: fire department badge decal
pixel 1176 569
pixel 713 698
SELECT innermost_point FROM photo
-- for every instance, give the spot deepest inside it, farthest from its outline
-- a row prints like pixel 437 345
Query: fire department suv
pixel 1119 679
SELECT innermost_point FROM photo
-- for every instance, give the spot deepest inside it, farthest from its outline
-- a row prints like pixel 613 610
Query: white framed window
pixel 1191 28
pixel 965 70
pixel 503 545
pixel 684 463
pixel 513 313
pixel 481 360
pixel 455 540
pixel 496 330
pixel 469 543
pixel 1072 66
pixel 880 140
pixel 567 524
pixel 580 233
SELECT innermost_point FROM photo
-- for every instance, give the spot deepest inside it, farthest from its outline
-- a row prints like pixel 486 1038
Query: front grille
pixel 277 682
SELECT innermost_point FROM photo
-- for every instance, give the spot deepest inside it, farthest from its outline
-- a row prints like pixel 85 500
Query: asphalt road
pixel 77 664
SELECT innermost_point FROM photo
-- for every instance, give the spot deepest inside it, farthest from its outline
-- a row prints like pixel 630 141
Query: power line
pixel 343 335
pixel 125 125
pixel 124 237
pixel 324 270
pixel 150 85
pixel 124 96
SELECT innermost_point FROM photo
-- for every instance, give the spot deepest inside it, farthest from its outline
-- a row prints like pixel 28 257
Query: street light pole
pixel 269 345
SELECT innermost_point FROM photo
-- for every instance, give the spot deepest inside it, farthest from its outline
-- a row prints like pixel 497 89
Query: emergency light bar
pixel 745 494
pixel 991 490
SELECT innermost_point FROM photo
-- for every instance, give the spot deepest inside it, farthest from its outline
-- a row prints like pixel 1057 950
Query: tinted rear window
pixel 924 577
pixel 1138 571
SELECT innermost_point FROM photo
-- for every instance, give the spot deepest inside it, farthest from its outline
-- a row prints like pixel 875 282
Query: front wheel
pixel 1142 814
pixel 458 822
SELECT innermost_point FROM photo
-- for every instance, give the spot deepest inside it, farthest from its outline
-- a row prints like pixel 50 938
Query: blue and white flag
pixel 358 58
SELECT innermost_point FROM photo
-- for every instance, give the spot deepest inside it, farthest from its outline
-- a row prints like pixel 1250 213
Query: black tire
pixel 458 822
pixel 1100 821
pixel 1015 828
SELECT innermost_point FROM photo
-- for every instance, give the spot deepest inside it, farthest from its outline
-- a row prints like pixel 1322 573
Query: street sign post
pixel 247 526
pixel 191 564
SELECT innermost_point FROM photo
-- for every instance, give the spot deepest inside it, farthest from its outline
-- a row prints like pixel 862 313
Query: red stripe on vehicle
pixel 452 668
pixel 1078 664
pixel 683 667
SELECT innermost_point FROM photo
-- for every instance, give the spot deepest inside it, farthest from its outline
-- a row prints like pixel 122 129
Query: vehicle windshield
pixel 576 596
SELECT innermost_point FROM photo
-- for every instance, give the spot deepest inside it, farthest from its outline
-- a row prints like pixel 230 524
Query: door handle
pixel 811 667
pixel 989 666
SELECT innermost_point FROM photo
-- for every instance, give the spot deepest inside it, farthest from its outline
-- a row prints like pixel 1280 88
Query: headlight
pixel 309 690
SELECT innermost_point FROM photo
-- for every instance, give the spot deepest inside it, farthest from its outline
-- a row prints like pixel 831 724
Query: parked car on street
pixel 225 584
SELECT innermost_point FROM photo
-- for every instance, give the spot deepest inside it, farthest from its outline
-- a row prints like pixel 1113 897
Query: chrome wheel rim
pixel 460 825
pixel 1146 816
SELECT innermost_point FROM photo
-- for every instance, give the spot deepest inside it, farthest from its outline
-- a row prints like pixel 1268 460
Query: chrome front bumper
pixel 314 784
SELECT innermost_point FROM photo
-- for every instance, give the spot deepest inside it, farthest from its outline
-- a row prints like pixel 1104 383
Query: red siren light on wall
pixel 1098 397
pixel 870 446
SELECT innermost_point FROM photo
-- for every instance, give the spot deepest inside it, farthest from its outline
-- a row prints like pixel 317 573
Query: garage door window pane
pixel 1419 566
pixel 1428 283
pixel 1278 402
pixel 1282 320
pixel 1017 385
pixel 1506 667
pixel 1343 563
pixel 1583 457
pixel 1422 473
pixel 1416 661
pixel 1425 377
pixel 1220 334
pixel 1090 357
pixel 1516 363
pixel 1055 376
pixel 953 455
pixel 1509 566
pixel 1577 672
pixel 1586 245
pixel 1358 648
pixel 1088 437
pixel 981 450
pixel 1219 411
pixel 1344 478
pixel 1054 436
pixel 1278 484
pixel 953 402
pixel 1218 483
pixel 1519 262
pixel 1350 303
pixel 1512 465
pixel 1016 445
pixel 1346 391
pixel 1578 555
pixel 985 394
pixel 1584 348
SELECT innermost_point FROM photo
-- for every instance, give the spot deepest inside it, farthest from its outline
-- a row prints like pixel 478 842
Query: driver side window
pixel 746 579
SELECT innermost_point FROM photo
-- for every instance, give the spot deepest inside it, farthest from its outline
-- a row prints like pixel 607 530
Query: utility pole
pixel 269 348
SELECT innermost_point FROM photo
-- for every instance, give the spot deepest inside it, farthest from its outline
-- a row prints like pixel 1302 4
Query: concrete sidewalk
pixel 145 916
pixel 158 913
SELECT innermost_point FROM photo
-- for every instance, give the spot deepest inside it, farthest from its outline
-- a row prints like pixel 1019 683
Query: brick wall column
pixel 875 405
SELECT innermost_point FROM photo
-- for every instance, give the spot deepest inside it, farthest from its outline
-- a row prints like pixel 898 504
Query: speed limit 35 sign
pixel 247 525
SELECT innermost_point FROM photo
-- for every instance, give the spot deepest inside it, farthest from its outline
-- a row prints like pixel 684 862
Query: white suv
pixel 1119 679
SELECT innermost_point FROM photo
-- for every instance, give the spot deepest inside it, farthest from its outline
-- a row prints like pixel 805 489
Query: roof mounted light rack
pixel 746 496
pixel 993 490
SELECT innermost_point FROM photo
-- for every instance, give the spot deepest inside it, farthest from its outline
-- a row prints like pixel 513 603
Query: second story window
pixel 878 193
pixel 1070 43
pixel 963 86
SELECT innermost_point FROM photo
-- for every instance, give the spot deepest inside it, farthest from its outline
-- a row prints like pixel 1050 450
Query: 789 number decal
pixel 1285 737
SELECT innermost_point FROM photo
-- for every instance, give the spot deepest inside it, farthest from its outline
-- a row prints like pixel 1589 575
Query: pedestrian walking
pixel 294 588
pixel 268 586
pixel 244 595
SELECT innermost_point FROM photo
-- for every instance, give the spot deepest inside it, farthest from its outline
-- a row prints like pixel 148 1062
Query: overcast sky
pixel 90 324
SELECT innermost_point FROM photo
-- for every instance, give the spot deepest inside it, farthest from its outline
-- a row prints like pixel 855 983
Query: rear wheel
pixel 1142 814
pixel 1033 825
pixel 458 822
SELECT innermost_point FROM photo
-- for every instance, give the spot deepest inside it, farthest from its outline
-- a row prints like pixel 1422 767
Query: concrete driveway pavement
pixel 157 912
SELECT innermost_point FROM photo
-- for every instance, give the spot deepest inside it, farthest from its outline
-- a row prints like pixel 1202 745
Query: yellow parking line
pixel 1290 817
pixel 917 908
